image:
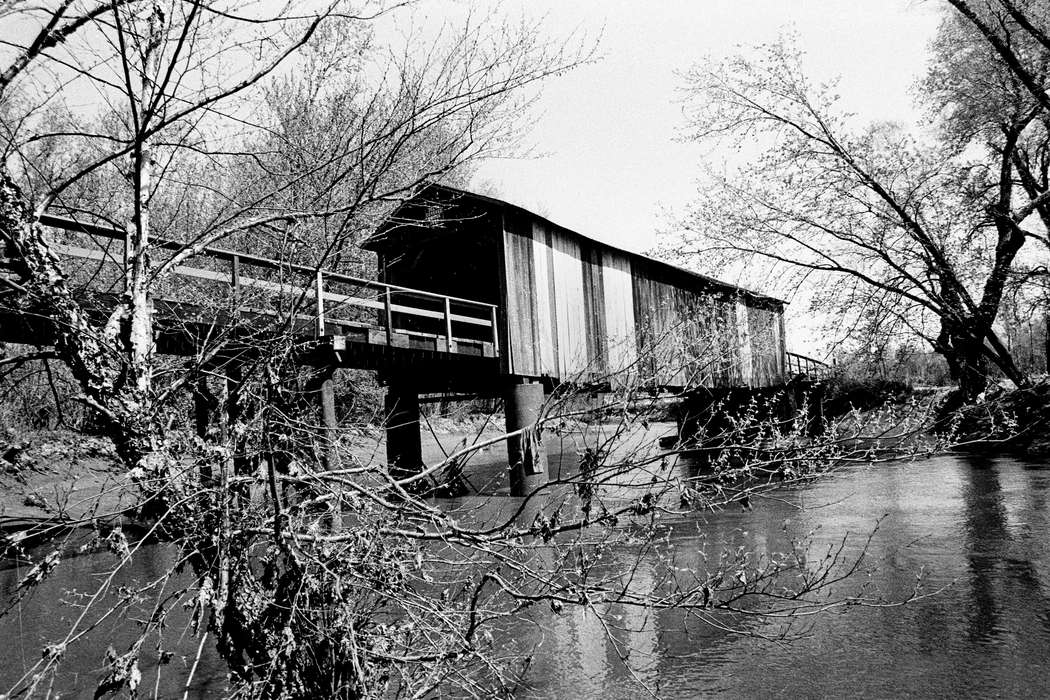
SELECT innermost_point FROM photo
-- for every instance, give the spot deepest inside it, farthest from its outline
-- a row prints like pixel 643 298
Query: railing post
pixel 389 316
pixel 495 331
pixel 320 304
pixel 235 275
pixel 448 325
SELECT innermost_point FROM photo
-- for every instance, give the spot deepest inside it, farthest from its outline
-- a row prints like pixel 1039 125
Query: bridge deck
pixel 339 318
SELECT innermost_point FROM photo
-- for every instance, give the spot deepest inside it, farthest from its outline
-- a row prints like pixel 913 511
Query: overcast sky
pixel 610 166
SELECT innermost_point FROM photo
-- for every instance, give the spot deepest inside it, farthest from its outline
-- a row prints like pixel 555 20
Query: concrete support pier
pixel 404 450
pixel 526 453
pixel 329 419
pixel 204 404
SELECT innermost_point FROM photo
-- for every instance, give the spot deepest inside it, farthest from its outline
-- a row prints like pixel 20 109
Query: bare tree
pixel 916 233
pixel 311 578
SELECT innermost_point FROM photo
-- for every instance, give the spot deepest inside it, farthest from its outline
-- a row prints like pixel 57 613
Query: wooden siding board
pixel 590 308
pixel 601 343
pixel 549 241
pixel 568 289
pixel 619 315
pixel 643 316
pixel 519 269
pixel 545 314
pixel 745 354
pixel 594 311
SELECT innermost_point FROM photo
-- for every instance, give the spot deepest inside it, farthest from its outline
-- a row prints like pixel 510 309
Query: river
pixel 978 526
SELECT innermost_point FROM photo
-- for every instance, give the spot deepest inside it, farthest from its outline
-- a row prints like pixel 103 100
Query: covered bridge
pixel 573 309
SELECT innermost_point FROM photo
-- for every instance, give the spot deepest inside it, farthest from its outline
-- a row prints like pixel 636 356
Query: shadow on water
pixel 1000 548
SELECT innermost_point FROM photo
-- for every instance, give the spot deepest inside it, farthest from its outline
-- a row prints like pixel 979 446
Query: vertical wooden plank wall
pixel 619 315
pixel 767 346
pixel 547 319
pixel 689 337
pixel 546 316
pixel 569 305
pixel 578 311
pixel 520 276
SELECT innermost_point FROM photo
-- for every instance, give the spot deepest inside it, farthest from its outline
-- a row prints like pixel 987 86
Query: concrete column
pixel 526 453
pixel 329 419
pixel 404 450
pixel 203 403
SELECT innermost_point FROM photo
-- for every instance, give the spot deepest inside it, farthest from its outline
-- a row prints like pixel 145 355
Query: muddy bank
pixel 69 476
pixel 57 473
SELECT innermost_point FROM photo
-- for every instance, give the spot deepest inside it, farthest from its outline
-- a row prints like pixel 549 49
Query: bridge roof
pixel 375 241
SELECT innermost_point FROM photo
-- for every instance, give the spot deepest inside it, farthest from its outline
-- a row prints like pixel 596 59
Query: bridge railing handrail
pixel 319 275
pixel 229 256
pixel 799 364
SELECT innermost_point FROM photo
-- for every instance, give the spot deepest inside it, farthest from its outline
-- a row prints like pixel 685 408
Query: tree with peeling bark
pixel 908 233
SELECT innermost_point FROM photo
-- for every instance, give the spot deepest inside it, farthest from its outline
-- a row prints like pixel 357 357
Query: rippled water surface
pixel 978 525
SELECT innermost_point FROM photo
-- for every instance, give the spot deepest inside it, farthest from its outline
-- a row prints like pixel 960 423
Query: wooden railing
pixel 802 366
pixel 391 301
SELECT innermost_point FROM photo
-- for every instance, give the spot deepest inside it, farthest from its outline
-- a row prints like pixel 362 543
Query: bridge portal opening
pixel 447 248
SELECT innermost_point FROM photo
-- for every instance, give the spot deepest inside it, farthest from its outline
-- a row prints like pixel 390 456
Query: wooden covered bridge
pixel 474 295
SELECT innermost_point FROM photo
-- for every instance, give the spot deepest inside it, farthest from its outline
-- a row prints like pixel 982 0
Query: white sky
pixel 608 163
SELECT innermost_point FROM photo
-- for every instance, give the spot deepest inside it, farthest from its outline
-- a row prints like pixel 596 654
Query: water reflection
pixel 48 615
pixel 976 525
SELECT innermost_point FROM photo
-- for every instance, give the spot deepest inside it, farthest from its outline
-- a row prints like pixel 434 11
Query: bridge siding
pixel 622 347
pixel 546 296
pixel 687 337
pixel 574 309
pixel 569 305
pixel 768 345
pixel 521 316
pixel 580 310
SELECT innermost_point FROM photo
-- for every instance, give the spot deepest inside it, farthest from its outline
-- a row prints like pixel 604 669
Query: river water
pixel 977 526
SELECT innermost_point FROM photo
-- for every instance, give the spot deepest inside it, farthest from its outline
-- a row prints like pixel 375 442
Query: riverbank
pixel 66 475
pixel 70 475
pixel 56 473
pixel 1013 421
